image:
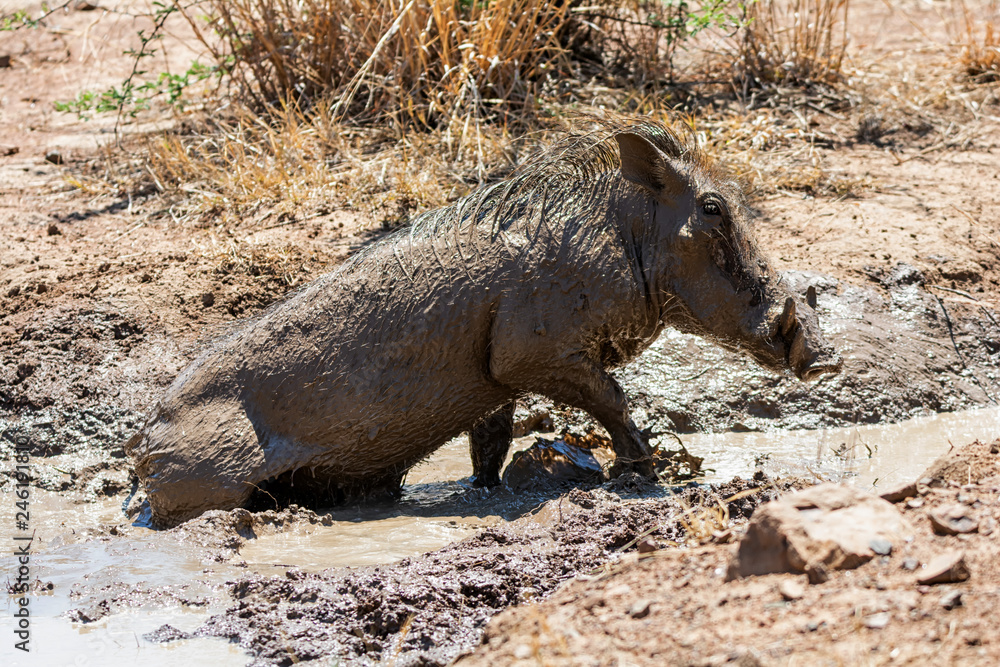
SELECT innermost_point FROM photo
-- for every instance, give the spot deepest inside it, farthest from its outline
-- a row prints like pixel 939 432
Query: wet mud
pixel 77 381
pixel 428 609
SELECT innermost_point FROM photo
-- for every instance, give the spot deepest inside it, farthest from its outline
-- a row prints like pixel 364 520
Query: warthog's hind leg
pixel 489 442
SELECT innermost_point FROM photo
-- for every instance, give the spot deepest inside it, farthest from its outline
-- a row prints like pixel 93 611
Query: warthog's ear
pixel 644 164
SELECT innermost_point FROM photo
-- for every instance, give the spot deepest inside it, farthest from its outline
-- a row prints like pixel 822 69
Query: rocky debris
pixel 54 157
pixel 438 603
pixel 952 520
pixel 548 464
pixel 947 568
pixel 166 633
pixel 887 607
pixel 823 528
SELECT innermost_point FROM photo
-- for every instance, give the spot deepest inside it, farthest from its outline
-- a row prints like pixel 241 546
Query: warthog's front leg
pixel 580 382
pixel 489 442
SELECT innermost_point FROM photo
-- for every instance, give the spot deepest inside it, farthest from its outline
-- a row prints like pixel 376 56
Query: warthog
pixel 539 284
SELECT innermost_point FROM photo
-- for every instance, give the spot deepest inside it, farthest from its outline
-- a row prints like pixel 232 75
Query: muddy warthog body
pixel 539 284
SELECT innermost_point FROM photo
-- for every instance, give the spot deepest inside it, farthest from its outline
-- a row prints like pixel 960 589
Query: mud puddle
pixel 75 549
pixel 866 455
pixel 113 583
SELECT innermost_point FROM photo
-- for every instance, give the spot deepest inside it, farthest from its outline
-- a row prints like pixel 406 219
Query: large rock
pixel 826 527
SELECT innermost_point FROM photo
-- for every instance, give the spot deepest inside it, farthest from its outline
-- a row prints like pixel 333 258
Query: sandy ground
pixel 105 295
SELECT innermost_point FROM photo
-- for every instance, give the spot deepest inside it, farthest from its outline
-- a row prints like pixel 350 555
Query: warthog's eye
pixel 711 207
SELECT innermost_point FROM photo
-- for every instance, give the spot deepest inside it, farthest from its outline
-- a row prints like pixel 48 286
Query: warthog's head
pixel 704 270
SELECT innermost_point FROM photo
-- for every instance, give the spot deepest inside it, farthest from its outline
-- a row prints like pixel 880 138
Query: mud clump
pixel 429 608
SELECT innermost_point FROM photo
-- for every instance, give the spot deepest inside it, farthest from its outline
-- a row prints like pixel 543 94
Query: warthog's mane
pixel 575 158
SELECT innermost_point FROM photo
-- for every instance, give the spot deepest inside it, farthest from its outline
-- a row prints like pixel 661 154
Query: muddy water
pixel 867 455
pixel 72 548
pixel 173 583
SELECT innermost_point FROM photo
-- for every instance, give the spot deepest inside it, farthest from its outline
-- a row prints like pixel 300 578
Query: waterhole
pixel 75 546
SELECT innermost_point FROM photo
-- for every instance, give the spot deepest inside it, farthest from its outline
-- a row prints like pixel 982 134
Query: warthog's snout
pixel 807 352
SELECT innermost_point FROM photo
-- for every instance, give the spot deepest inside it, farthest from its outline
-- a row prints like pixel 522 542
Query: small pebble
pixel 910 564
pixel 791 589
pixel 54 157
pixel 877 621
pixel 639 609
pixel 881 546
pixel 951 599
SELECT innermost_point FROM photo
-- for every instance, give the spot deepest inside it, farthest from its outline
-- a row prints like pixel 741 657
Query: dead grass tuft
pixel 977 34
pixel 792 42
pixel 251 257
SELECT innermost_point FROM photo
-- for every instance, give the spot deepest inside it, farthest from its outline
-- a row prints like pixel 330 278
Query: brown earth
pixel 108 290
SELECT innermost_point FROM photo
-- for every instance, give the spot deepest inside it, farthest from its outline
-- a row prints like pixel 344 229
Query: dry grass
pixel 796 42
pixel 414 62
pixel 248 170
pixel 976 32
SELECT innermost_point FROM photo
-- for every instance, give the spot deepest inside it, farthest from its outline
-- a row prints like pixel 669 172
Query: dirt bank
pixel 675 606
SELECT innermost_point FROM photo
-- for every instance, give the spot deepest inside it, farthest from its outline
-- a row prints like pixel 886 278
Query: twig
pixel 954 343
pixel 972 298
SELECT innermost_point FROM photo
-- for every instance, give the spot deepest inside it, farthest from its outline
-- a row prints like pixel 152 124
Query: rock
pixel 881 546
pixel 208 299
pixel 53 230
pixel 4 61
pixel 877 621
pixel 952 520
pixel 54 157
pixel 948 568
pixel 640 609
pixel 791 589
pixel 910 564
pixel 823 528
pixel 646 545
pixel 6 151
pixel 951 599
pixel 549 464
pixel 900 493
